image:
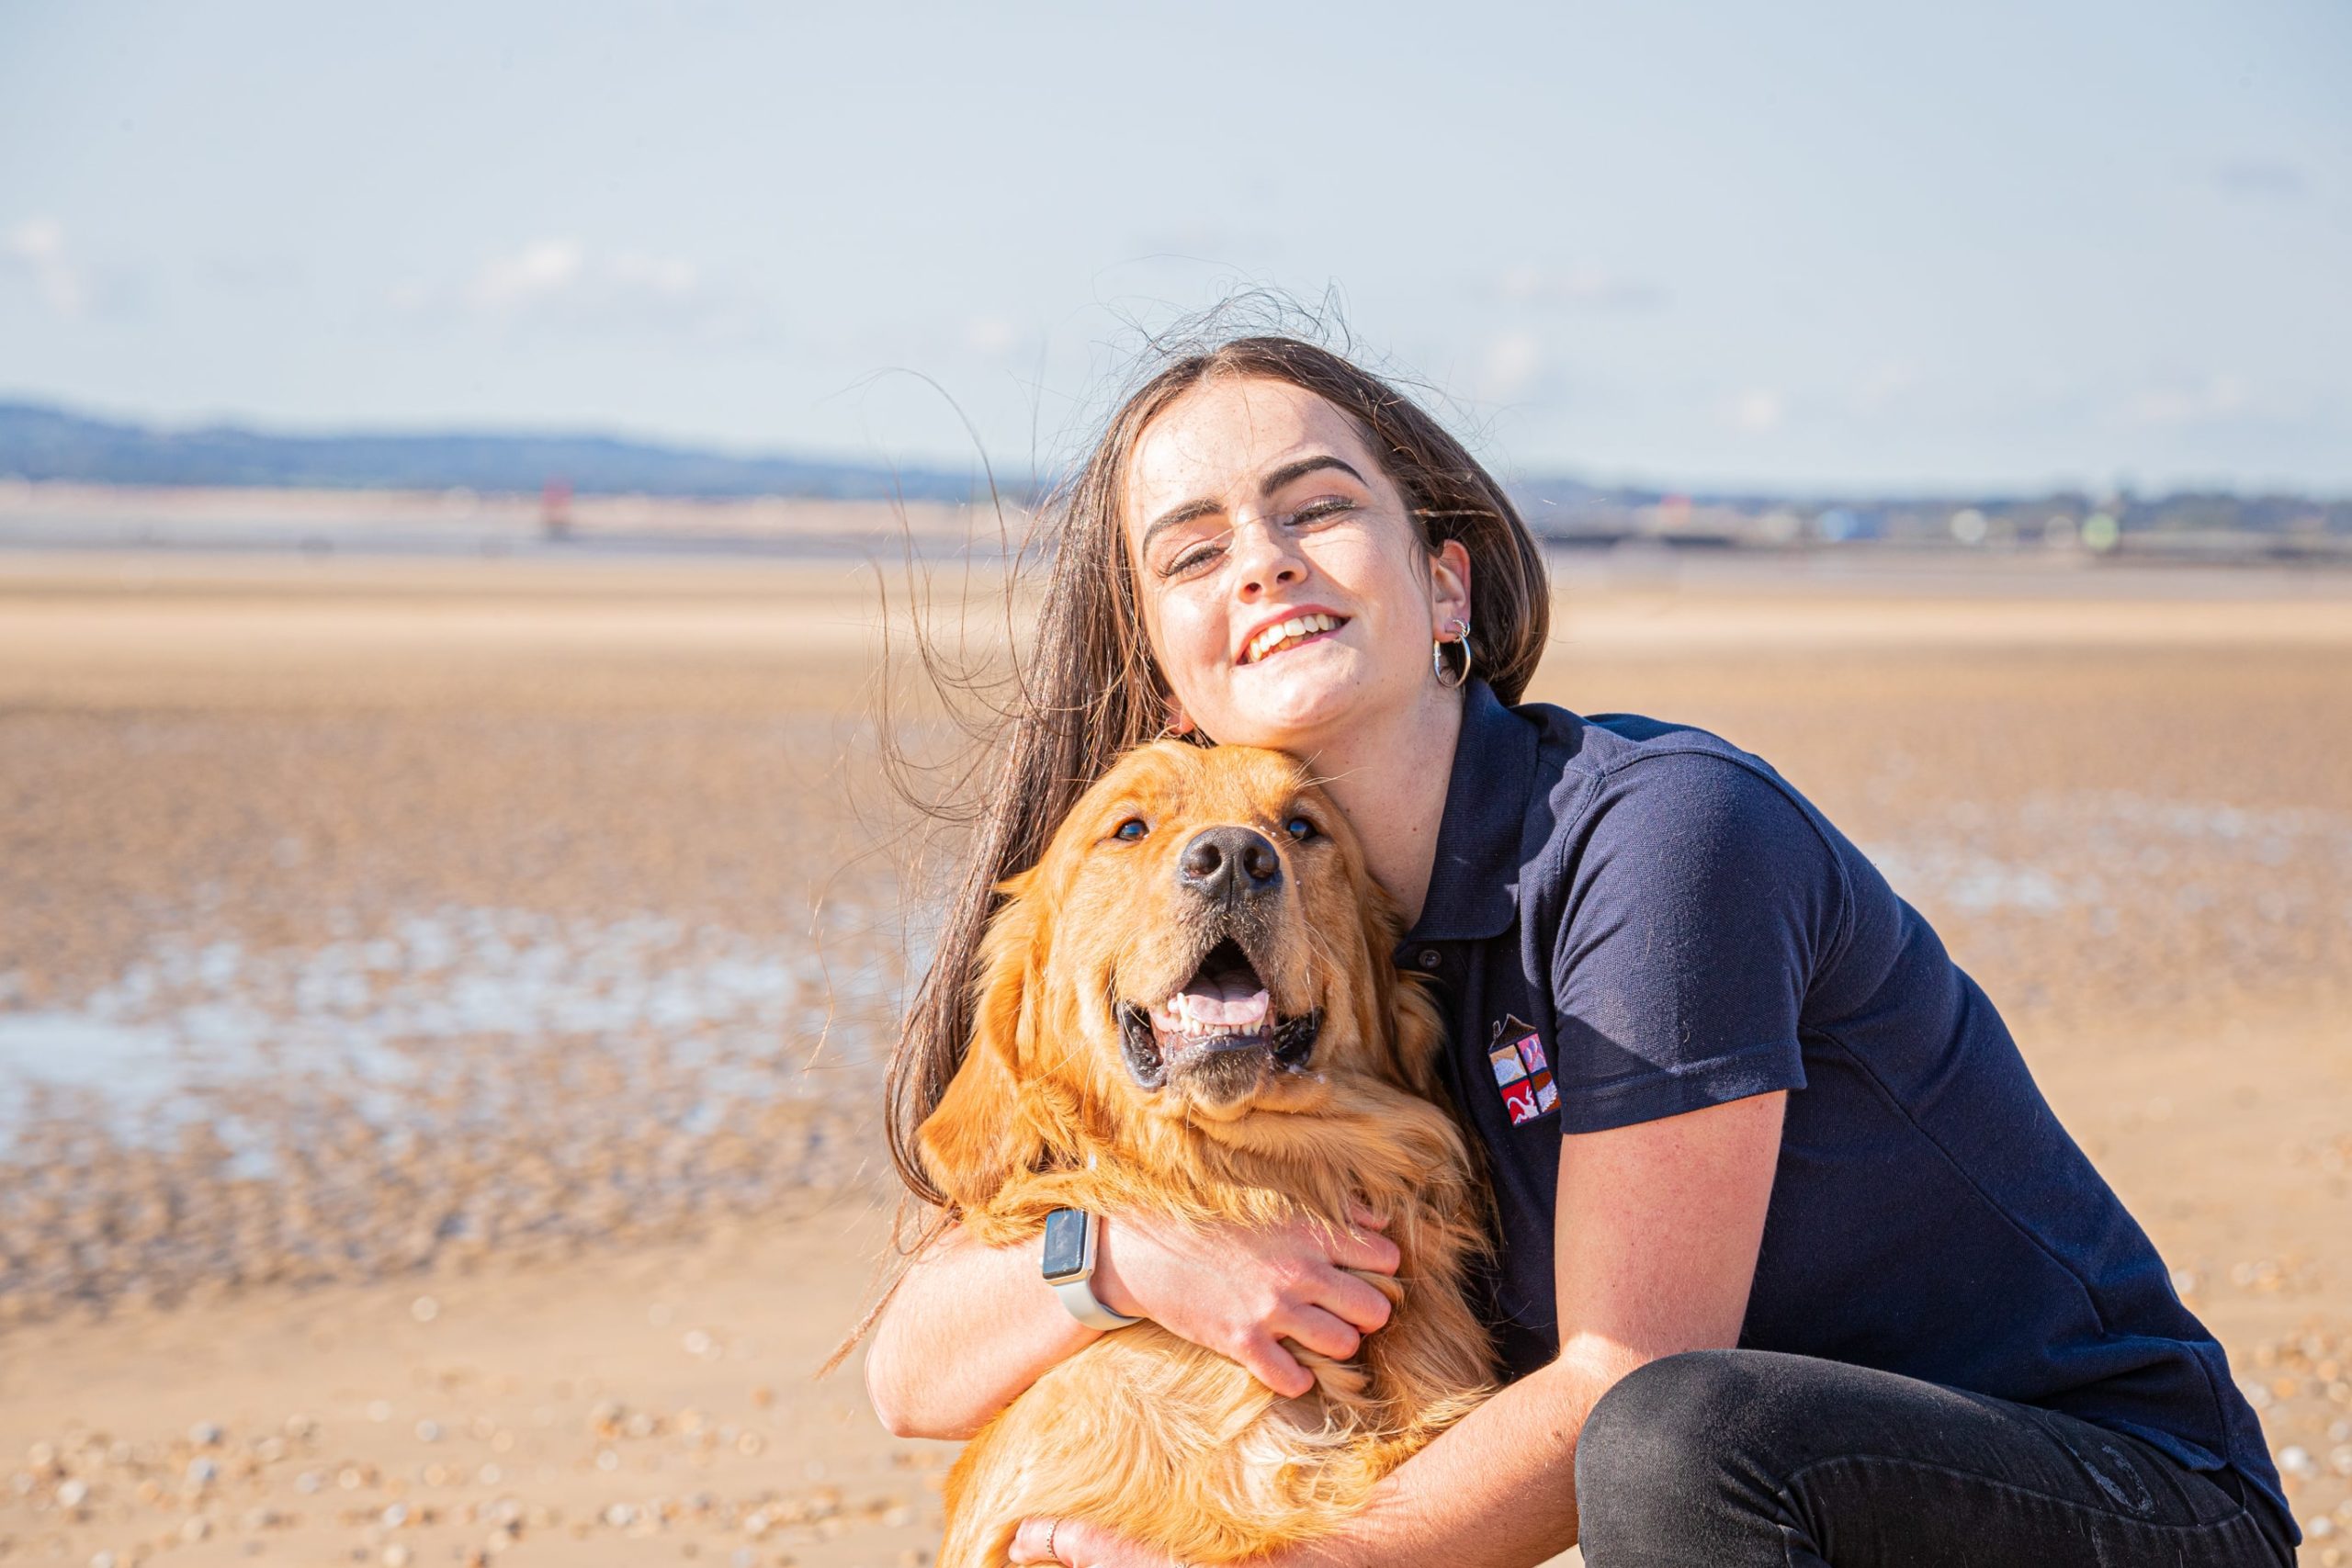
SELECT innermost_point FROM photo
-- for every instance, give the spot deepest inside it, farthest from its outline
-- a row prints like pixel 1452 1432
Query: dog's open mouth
pixel 1222 1012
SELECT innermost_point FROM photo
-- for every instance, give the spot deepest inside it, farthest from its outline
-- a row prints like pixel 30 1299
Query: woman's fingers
pixel 1305 1282
pixel 1322 1333
pixel 1365 1249
pixel 1032 1540
pixel 1264 1359
pixel 1360 1305
pixel 1081 1545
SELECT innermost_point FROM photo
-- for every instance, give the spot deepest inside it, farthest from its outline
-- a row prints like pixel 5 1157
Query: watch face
pixel 1065 1243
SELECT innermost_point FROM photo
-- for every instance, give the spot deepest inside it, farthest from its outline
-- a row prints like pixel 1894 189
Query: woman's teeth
pixel 1273 640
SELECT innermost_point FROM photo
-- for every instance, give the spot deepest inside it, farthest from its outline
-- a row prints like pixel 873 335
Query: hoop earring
pixel 1446 676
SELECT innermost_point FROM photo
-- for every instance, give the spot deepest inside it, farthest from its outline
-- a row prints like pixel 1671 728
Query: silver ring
pixel 1445 676
pixel 1051 1526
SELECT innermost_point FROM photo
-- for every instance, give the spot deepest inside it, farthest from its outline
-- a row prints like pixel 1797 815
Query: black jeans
pixel 1747 1457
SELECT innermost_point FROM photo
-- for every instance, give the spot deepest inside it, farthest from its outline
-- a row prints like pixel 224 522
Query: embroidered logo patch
pixel 1516 1052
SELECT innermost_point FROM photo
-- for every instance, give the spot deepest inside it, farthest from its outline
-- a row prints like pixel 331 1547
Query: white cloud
pixel 1510 368
pixel 1588 286
pixel 543 270
pixel 665 277
pixel 561 281
pixel 2262 178
pixel 36 247
pixel 1885 385
pixel 990 335
pixel 1757 411
pixel 2220 396
pixel 1208 238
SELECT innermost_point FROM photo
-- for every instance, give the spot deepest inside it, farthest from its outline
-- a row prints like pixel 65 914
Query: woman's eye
pixel 1299 828
pixel 1322 511
pixel 1131 829
pixel 1191 561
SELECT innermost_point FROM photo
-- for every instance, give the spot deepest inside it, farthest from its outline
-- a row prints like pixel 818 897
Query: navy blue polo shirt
pixel 1628 920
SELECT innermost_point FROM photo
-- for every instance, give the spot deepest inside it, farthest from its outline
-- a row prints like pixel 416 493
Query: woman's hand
pixel 970 1326
pixel 1240 1289
pixel 1077 1544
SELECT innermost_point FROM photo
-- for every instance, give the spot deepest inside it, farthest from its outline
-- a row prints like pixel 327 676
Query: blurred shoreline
pixel 2057 537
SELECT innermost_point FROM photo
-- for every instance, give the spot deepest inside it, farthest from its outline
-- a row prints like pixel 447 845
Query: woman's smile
pixel 1289 631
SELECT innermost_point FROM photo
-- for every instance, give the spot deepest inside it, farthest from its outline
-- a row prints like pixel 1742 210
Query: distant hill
pixel 40 441
pixel 43 442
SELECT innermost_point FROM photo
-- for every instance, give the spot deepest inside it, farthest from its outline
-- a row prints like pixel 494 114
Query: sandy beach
pixel 441 998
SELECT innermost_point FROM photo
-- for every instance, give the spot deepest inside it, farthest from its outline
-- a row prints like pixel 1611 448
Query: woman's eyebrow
pixel 1274 479
pixel 1277 478
pixel 1176 517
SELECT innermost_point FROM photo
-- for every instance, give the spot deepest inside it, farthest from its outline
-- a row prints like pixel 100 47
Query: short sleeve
pixel 1701 898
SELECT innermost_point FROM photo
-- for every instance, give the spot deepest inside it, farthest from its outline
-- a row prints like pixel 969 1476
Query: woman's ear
pixel 976 1136
pixel 1449 586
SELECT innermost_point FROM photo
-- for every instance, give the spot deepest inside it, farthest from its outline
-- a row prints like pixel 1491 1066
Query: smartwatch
pixel 1070 1238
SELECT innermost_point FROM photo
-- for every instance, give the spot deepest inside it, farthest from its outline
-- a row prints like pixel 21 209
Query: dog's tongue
pixel 1233 998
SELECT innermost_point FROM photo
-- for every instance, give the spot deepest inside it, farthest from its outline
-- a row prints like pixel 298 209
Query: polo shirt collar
pixel 1474 885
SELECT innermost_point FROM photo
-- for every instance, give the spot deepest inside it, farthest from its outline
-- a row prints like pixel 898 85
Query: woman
pixel 1796 1266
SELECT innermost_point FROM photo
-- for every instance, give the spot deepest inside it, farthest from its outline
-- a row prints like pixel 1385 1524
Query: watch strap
pixel 1079 1296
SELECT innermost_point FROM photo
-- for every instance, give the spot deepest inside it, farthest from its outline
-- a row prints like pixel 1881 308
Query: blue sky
pixel 1833 246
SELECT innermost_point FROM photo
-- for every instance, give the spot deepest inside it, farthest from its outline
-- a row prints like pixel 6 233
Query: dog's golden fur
pixel 1143 1432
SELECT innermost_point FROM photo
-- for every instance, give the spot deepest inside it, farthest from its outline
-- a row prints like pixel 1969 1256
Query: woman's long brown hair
pixel 1086 689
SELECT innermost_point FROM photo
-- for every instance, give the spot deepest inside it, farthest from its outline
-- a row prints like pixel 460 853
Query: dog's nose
pixel 1229 862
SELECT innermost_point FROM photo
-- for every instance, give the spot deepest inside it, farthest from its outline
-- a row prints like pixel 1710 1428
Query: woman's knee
pixel 1663 1438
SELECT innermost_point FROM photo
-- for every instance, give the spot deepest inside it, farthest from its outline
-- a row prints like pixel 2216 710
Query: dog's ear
pixel 977 1135
pixel 1400 1001
pixel 1420 1034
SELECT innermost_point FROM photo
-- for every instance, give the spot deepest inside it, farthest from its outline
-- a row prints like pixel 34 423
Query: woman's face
pixel 1286 590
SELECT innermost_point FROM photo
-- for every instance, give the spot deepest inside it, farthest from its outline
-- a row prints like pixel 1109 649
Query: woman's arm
pixel 1656 1244
pixel 1656 1237
pixel 971 1326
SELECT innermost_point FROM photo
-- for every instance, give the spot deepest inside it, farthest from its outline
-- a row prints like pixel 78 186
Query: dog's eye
pixel 1131 829
pixel 1299 828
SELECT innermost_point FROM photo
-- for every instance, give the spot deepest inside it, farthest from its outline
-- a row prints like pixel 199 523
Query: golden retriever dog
pixel 1188 1008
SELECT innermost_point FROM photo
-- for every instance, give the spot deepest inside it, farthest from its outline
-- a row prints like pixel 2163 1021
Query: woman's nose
pixel 1268 558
